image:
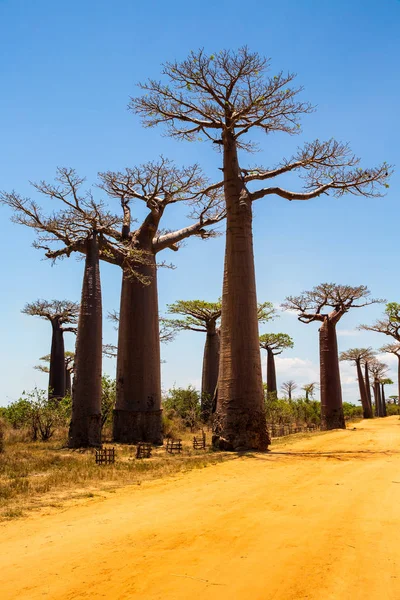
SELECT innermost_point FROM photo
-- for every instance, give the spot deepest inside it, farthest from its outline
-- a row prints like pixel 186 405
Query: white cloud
pixel 303 371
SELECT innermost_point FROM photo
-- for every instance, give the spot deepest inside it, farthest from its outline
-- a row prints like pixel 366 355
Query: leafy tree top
pixel 309 388
pixel 315 305
pixel 225 95
pixel 357 355
pixel 203 316
pixel 60 311
pixel 390 324
pixel 276 342
pixel 378 369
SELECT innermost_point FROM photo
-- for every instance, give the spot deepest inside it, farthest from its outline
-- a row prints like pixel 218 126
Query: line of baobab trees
pixel 221 99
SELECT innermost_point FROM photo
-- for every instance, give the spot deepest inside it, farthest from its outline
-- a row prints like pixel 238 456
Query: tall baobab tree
pixel 359 356
pixel 274 344
pixel 394 349
pixel 69 369
pixel 137 413
pixel 288 388
pixel 222 98
pixel 378 370
pixel 309 389
pixel 327 303
pixel 383 382
pixel 81 225
pixel 62 315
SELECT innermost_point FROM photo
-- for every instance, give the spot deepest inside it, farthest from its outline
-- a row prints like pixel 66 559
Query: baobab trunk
pixel 239 421
pixel 377 395
pixel 210 370
pixel 85 426
pixel 332 416
pixel 383 401
pixel 271 373
pixel 398 379
pixel 137 413
pixel 368 388
pixel 57 362
pixel 68 386
pixel 367 410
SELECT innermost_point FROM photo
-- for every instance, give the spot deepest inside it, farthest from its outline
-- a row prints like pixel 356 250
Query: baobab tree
pixel 288 387
pixel 137 413
pixel 69 369
pixel 274 344
pixel 313 306
pixel 359 356
pixel 383 382
pixel 62 315
pixel 393 349
pixel 222 98
pixel 309 389
pixel 204 317
pixel 378 370
pixel 80 225
pixel 201 316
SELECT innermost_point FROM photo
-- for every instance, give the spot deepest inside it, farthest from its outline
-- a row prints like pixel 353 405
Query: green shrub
pixel 185 404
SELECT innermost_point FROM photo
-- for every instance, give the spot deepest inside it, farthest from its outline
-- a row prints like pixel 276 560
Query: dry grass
pixel 36 474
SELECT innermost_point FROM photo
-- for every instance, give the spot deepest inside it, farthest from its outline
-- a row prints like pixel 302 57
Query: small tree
pixel 288 388
pixel 358 356
pixel 309 389
pixel 63 315
pixel 274 344
pixel 313 306
pixel 69 369
pixel 378 370
pixel 184 403
pixel 223 98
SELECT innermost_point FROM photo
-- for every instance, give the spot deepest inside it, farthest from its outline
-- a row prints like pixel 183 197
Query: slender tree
pixel 309 389
pixel 288 388
pixel 69 369
pixel 222 98
pixel 62 315
pixel 358 356
pixel 394 349
pixel 274 344
pixel 313 306
pixel 137 413
pixel 383 382
pixel 378 370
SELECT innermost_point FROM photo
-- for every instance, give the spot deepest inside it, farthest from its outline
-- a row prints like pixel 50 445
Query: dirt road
pixel 315 518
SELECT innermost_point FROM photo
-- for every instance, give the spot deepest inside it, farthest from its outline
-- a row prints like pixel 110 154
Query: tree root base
pixel 131 427
pixel 240 430
pixel 85 432
pixel 333 420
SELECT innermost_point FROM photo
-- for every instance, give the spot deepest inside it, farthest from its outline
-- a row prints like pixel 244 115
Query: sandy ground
pixel 315 518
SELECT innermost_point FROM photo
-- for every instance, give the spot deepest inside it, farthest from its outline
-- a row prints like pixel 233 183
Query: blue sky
pixel 67 71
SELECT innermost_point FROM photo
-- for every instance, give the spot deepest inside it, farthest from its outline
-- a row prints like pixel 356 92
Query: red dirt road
pixel 316 518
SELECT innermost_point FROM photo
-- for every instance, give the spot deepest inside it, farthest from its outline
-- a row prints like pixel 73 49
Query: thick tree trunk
pixel 210 371
pixel 137 413
pixel 239 421
pixel 383 401
pixel 68 385
pixel 57 362
pixel 271 373
pixel 85 427
pixel 367 410
pixel 368 388
pixel 332 416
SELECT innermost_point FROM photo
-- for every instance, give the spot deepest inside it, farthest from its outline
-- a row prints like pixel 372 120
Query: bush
pixel 1 435
pixel 185 404
pixel 282 411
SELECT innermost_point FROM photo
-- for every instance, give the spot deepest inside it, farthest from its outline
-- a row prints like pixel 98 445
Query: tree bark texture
pixel 377 395
pixel 137 413
pixel 210 371
pixel 57 362
pixel 332 416
pixel 367 409
pixel 68 382
pixel 383 401
pixel 368 388
pixel 239 421
pixel 271 373
pixel 85 427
